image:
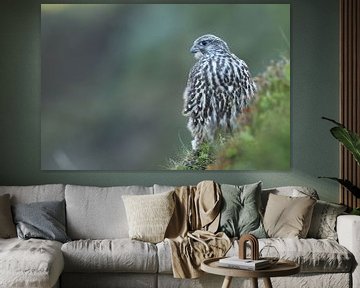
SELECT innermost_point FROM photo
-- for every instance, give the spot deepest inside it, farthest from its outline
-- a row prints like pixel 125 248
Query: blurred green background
pixel 113 76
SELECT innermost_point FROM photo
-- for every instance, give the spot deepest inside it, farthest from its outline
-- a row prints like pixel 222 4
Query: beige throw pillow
pixel 288 217
pixel 149 215
pixel 7 226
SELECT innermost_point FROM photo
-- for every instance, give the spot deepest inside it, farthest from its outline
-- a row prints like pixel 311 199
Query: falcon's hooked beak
pixel 196 51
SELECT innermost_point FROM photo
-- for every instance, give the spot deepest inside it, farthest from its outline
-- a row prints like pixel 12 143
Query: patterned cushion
pixel 323 221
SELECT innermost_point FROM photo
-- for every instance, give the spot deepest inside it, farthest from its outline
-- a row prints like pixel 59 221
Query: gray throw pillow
pixel 240 213
pixel 44 220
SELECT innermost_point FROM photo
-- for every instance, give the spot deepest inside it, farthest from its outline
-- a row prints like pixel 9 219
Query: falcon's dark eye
pixel 203 43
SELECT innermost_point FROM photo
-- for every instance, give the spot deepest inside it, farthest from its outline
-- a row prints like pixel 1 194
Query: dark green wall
pixel 314 94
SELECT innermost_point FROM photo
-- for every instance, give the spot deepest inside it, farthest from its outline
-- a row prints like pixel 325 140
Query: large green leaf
pixel 348 138
pixel 351 141
pixel 347 184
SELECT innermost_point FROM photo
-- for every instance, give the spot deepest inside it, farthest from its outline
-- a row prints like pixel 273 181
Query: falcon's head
pixel 208 45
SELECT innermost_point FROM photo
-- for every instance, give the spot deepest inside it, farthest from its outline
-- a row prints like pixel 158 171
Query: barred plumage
pixel 219 87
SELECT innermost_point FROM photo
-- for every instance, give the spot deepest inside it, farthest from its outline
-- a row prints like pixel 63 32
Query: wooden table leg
pixel 254 282
pixel 267 283
pixel 227 282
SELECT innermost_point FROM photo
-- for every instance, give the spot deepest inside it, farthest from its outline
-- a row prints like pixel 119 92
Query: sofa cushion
pixel 98 213
pixel 323 222
pixel 240 210
pixel 37 193
pixel 149 215
pixel 7 226
pixel 163 188
pixel 43 220
pixel 30 263
pixel 291 191
pixel 116 255
pixel 313 255
pixel 164 257
pixel 287 216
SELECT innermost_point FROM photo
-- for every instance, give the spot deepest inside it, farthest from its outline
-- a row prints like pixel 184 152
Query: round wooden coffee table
pixel 281 268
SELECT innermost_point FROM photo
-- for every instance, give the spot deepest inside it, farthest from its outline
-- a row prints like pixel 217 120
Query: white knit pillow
pixel 149 215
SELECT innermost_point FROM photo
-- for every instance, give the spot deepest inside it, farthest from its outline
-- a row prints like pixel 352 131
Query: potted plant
pixel 351 141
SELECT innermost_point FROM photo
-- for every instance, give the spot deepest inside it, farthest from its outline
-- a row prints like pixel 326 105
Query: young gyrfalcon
pixel 219 87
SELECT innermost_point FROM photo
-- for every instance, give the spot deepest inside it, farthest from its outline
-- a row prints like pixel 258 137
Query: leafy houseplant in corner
pixel 351 141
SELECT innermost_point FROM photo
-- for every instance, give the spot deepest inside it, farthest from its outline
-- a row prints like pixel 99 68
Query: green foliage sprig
pixel 351 141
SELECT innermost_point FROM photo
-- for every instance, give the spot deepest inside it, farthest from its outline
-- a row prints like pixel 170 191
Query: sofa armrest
pixel 348 230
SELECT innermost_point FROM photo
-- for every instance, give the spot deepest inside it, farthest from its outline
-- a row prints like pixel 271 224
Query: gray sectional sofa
pixel 101 254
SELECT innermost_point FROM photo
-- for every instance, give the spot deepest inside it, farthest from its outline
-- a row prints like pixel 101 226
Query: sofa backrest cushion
pixel 163 188
pixel 98 212
pixel 37 193
pixel 288 217
pixel 291 191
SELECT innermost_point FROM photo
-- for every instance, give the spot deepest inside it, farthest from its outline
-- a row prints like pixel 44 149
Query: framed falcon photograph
pixel 138 87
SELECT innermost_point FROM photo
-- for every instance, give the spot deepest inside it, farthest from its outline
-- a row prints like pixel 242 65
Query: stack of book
pixel 248 264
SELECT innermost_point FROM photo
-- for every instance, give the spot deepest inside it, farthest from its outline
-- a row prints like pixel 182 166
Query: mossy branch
pixel 262 140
